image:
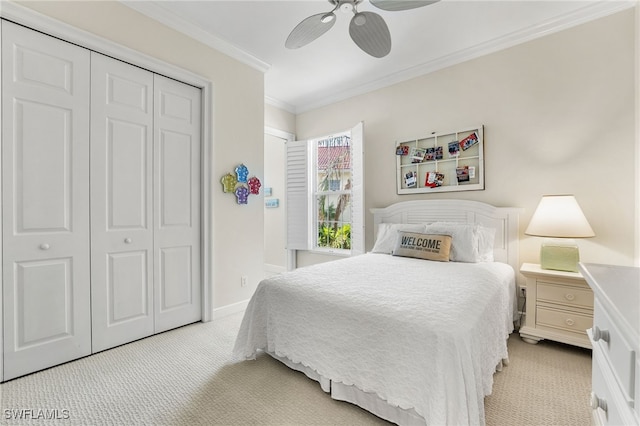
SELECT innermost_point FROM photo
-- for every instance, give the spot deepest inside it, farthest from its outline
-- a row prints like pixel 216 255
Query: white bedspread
pixel 419 334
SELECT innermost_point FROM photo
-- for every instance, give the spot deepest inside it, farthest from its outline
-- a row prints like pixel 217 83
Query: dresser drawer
pixel 564 320
pixel 617 350
pixel 566 295
pixel 636 401
pixel 607 402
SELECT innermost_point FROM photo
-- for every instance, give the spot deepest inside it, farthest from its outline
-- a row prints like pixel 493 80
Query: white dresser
pixel 615 338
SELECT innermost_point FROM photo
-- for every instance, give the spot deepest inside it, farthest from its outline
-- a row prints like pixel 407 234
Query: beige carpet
pixel 183 377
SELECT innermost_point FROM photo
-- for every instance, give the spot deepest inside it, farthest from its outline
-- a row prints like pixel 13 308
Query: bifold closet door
pixel 177 204
pixel 121 202
pixel 145 203
pixel 45 201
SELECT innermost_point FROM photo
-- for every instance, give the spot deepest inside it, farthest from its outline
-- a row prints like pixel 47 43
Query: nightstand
pixel 559 306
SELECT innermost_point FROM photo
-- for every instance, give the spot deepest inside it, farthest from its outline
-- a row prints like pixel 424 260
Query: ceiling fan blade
pixel 310 29
pixel 369 31
pixel 394 5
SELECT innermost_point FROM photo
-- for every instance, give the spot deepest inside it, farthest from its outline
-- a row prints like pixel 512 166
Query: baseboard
pixel 234 308
pixel 227 310
pixel 274 269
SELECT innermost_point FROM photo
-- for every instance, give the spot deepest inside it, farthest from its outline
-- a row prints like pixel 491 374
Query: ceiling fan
pixel 367 29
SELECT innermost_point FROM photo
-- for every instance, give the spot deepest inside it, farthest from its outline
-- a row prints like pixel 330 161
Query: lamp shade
pixel 559 216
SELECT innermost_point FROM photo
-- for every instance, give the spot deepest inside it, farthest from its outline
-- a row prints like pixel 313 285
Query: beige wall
pixel 280 119
pixel 238 128
pixel 559 118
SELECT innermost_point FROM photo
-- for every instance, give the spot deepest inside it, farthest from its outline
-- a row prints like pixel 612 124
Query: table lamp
pixel 559 217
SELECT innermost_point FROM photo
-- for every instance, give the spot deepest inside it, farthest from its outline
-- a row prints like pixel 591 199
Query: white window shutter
pixel 297 195
pixel 357 189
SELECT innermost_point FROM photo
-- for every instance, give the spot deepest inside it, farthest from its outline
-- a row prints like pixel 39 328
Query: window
pixel 325 193
pixel 332 194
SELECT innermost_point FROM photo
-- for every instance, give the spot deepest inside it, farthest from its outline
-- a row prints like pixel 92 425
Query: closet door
pixel 177 204
pixel 121 202
pixel 45 201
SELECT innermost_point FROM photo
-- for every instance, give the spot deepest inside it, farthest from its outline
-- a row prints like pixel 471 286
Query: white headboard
pixel 503 219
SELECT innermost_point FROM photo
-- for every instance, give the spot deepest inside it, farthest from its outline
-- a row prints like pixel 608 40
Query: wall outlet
pixel 243 281
pixel 522 291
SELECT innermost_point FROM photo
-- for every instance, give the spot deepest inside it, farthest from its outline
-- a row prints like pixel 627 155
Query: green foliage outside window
pixel 335 237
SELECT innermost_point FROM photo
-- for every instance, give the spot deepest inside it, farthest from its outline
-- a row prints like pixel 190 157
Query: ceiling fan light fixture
pixel 367 29
pixel 328 18
pixel 346 7
pixel 359 19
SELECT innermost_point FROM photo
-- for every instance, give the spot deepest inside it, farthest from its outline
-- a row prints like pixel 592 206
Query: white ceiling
pixel 333 68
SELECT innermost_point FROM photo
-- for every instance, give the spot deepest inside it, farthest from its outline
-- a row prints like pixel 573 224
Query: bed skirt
pixel 368 401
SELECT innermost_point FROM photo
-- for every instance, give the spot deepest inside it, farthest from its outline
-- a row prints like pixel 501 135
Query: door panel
pixel 127 281
pixel 42 149
pixel 44 290
pixel 36 67
pixel 127 92
pixel 127 175
pixel 176 179
pixel 45 194
pixel 175 269
pixel 121 202
pixel 177 204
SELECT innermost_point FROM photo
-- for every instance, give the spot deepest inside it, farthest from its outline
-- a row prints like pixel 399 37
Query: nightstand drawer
pixel 616 349
pixel 569 321
pixel 566 295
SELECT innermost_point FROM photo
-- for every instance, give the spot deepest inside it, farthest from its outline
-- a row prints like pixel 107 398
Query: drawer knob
pixel 569 322
pixel 44 246
pixel 599 334
pixel 569 296
pixel 127 240
pixel 598 402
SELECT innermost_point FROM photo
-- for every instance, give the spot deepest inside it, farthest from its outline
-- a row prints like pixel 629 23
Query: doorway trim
pixel 288 137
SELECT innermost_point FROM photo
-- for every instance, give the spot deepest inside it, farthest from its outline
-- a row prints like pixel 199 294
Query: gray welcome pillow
pixel 423 246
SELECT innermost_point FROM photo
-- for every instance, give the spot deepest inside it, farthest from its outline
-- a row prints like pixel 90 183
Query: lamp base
pixel 559 255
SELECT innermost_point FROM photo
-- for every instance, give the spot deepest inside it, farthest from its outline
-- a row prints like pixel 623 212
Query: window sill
pixel 331 252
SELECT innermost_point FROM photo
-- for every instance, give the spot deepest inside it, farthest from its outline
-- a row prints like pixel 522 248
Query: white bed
pixel 413 341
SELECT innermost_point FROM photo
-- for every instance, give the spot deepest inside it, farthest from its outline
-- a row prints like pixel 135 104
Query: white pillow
pixel 388 234
pixel 464 236
pixel 486 241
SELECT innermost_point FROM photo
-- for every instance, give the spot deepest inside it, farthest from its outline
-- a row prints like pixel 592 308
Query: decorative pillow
pixel 388 233
pixel 464 239
pixel 486 241
pixel 423 246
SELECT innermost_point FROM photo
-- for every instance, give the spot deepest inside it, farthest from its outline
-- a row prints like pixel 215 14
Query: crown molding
pixel 162 15
pixel 279 133
pixel 586 14
pixel 279 104
pixel 15 12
